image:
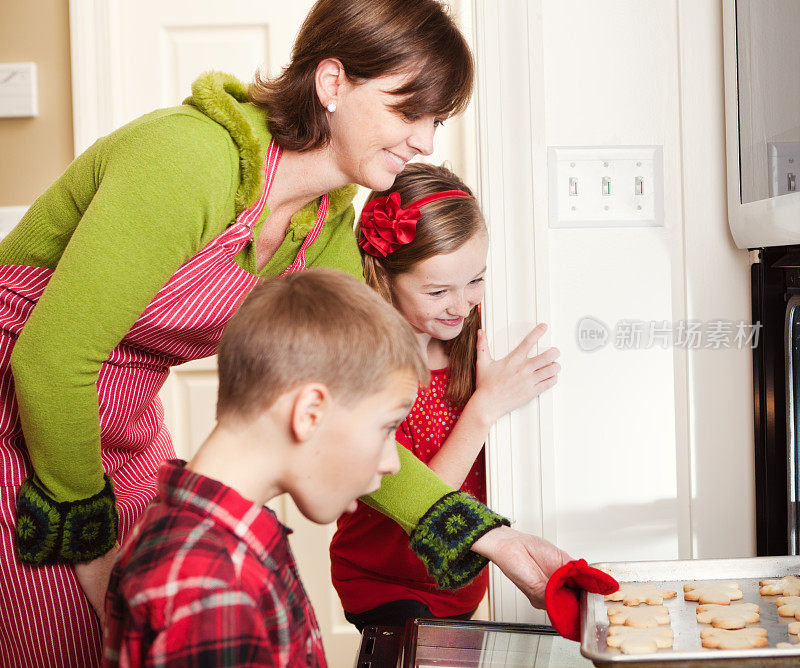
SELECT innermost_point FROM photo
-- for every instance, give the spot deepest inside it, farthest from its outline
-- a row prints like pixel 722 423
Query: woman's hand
pixel 93 577
pixel 508 383
pixel 528 561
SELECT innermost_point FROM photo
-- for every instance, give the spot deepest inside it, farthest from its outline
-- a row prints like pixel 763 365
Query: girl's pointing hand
pixel 512 381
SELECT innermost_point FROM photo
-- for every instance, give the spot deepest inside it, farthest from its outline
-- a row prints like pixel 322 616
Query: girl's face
pixel 371 141
pixel 437 294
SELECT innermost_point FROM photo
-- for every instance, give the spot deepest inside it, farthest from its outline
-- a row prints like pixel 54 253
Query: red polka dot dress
pixel 371 563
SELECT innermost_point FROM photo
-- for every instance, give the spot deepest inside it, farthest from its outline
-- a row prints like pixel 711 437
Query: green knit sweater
pixel 119 222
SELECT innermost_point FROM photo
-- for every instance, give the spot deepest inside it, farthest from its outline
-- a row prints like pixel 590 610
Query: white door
pixel 130 57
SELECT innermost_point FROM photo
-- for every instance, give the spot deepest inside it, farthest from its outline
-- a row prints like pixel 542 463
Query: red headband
pixel 385 225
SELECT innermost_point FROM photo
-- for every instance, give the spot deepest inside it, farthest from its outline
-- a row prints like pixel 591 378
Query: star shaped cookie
pixel 747 638
pixel 788 606
pixel 721 593
pixel 639 641
pixel 633 594
pixel 731 616
pixel 640 618
pixel 787 586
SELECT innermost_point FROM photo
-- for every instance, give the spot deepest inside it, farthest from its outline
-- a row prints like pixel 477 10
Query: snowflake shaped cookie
pixel 732 616
pixel 788 586
pixel 721 593
pixel 639 618
pixel 747 638
pixel 639 641
pixel 788 606
pixel 634 594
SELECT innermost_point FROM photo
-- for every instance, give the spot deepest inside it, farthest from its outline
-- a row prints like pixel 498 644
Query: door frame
pixel 512 169
pixel 94 32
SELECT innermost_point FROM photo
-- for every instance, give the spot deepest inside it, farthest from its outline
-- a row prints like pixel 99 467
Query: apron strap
pixel 249 216
pixel 300 261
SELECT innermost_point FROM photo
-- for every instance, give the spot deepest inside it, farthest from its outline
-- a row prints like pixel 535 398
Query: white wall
pixel 637 454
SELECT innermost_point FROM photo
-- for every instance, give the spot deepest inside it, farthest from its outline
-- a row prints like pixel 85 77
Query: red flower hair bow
pixel 386 225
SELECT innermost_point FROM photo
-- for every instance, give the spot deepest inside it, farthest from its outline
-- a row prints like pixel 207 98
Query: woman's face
pixel 371 141
pixel 437 294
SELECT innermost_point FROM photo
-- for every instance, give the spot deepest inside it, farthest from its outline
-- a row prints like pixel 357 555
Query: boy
pixel 316 372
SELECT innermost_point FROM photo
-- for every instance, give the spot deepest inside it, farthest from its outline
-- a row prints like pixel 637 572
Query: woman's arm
pixel 527 560
pixel 156 191
pixel 443 524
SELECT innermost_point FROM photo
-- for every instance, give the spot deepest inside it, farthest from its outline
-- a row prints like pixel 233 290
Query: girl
pixel 424 244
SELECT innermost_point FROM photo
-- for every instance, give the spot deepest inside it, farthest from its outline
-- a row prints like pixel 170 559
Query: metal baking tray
pixel 687 650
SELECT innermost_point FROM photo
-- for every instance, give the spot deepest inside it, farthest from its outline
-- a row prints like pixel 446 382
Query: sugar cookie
pixel 721 593
pixel 639 618
pixel 634 594
pixel 794 628
pixel 732 616
pixel 786 645
pixel 639 641
pixel 788 586
pixel 746 638
pixel 788 606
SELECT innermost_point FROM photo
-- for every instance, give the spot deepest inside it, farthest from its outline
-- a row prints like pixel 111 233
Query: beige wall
pixel 34 151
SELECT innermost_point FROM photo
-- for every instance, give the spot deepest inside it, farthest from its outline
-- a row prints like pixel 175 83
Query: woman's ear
pixel 328 79
pixel 311 403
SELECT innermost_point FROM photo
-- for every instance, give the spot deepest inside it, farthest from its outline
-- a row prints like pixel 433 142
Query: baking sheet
pixel 687 650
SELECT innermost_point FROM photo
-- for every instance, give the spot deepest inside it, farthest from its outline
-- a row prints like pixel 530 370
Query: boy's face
pixel 353 449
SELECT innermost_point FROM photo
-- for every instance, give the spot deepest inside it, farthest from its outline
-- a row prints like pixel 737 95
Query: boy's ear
pixel 310 405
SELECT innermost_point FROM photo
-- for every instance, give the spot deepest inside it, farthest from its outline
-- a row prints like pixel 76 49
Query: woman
pixel 137 256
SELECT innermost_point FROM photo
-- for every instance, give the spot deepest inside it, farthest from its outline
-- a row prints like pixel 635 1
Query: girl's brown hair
pixel 371 38
pixel 443 227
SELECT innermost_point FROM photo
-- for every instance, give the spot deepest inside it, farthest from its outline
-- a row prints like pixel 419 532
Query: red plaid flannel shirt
pixel 207 578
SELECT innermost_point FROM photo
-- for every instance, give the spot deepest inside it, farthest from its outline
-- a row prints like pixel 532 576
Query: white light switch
pixel 602 186
pixel 18 93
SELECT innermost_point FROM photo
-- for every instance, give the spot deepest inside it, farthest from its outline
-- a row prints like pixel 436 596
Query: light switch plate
pixel 605 186
pixel 18 93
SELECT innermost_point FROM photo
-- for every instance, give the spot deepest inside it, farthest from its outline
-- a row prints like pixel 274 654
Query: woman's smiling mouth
pixel 396 161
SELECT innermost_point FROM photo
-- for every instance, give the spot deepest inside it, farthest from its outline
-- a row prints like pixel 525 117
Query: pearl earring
pixel 331 106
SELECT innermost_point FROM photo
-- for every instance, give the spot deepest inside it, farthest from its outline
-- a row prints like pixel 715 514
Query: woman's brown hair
pixel 444 226
pixel 371 38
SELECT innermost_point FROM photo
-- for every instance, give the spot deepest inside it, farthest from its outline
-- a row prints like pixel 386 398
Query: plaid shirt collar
pixel 257 526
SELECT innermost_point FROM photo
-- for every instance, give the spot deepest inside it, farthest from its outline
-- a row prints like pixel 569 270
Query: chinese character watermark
pixel 593 334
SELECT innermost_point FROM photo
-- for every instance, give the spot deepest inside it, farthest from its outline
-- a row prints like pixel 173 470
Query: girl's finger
pixel 547 357
pixel 546 372
pixel 482 350
pixel 527 344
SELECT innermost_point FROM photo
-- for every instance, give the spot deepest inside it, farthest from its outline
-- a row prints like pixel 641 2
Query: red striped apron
pixel 45 619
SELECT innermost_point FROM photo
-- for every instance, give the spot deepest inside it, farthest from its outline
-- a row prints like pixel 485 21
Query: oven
pixel 775 281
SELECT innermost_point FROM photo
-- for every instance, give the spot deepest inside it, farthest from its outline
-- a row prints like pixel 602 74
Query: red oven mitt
pixel 562 597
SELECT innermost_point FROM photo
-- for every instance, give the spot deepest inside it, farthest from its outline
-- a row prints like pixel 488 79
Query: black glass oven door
pixel 792 341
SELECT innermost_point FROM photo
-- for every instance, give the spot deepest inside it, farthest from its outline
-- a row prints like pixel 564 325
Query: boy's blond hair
pixel 318 325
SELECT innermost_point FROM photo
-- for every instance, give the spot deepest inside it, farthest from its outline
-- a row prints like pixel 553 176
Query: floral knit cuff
pixel 50 531
pixel 444 535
